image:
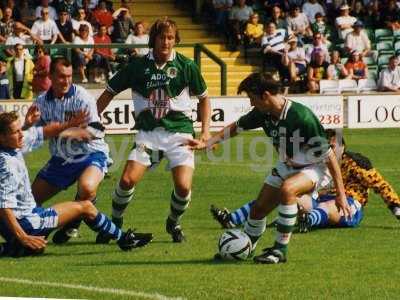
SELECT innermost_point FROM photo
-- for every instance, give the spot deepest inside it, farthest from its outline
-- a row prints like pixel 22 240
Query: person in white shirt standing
pixel 45 29
pixel 84 55
pixel 344 22
pixel 389 78
pixel 140 37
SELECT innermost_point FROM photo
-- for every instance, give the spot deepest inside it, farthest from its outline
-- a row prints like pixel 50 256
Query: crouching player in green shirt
pixel 306 161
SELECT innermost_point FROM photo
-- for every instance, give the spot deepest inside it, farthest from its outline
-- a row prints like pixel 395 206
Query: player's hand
pixel 196 144
pixel 80 119
pixel 32 116
pixel 205 136
pixel 343 206
pixel 36 243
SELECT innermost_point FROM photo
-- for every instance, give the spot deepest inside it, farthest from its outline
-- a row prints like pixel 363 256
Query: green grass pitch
pixel 360 263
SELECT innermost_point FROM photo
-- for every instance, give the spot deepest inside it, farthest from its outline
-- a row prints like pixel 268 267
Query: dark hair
pixel 83 27
pixel 159 26
pixel 258 83
pixel 59 61
pixel 39 47
pixel 6 118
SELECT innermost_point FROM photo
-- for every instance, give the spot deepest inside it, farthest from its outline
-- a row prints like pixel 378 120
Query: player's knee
pixel 87 193
pixel 127 181
pixel 182 190
pixel 288 193
pixel 88 209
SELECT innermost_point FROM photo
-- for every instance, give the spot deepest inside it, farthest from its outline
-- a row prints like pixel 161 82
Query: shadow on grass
pixel 209 261
pixel 381 227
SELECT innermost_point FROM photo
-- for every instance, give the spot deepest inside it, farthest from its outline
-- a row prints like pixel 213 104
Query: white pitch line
pixel 90 288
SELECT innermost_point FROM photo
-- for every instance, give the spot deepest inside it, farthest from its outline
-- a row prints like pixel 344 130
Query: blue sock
pixel 239 216
pixel 104 225
pixel 318 218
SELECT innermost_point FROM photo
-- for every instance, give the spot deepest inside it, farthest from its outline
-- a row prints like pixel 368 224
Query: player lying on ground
pixel 23 224
pixel 84 162
pixel 358 177
pixel 161 84
pixel 304 153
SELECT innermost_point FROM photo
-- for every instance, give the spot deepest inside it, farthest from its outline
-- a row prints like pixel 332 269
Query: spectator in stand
pixel 86 6
pixel 20 74
pixel 372 16
pixel 344 23
pixel 254 30
pixel 91 4
pixel 238 17
pixel 278 18
pixel 317 70
pixel 84 55
pixel 4 88
pixel 222 9
pixel 45 4
pixel 65 28
pixel 16 15
pixel 102 56
pixel 358 40
pixel 298 24
pixel 81 20
pixel 389 78
pixel 357 9
pixel 139 37
pixel 318 45
pixel 18 37
pixel 7 24
pixel 273 45
pixel 123 25
pixel 296 59
pixel 41 81
pixel 45 30
pixel 390 16
pixel 68 6
pixel 355 66
pixel 320 26
pixel 27 13
pixel 310 8
pixel 336 70
pixel 102 15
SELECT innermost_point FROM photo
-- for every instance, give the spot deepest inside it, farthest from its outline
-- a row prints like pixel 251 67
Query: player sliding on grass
pixel 358 177
pixel 23 224
pixel 305 157
pixel 161 84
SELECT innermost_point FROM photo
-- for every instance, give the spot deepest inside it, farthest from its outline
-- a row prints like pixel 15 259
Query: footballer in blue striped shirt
pixel 25 225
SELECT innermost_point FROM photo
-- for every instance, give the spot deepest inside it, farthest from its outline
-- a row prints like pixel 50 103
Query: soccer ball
pixel 234 245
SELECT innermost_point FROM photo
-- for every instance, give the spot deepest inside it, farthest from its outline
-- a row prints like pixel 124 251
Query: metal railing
pixel 198 49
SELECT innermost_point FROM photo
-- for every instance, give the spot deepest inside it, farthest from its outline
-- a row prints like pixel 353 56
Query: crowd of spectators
pixel 306 41
pixel 24 71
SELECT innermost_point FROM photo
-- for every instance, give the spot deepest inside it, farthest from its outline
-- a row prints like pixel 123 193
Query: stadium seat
pixel 370 33
pixel 369 60
pixel 383 35
pixel 348 85
pixel 397 46
pixel 372 74
pixel 396 35
pixel 329 87
pixel 383 60
pixel 385 47
pixel 343 60
pixel 367 85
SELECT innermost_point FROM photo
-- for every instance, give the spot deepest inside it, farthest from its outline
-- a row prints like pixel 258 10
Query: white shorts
pixel 152 146
pixel 318 173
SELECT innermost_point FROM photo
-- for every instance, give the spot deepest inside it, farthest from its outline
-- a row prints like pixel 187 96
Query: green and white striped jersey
pixel 161 95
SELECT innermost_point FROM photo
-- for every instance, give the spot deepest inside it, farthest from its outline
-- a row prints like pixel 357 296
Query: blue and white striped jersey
pixel 15 186
pixel 61 110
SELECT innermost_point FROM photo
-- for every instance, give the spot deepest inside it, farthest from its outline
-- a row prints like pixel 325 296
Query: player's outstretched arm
pixel 205 115
pixel 341 201
pixel 226 133
pixel 32 117
pixel 36 243
pixel 103 101
pixel 54 129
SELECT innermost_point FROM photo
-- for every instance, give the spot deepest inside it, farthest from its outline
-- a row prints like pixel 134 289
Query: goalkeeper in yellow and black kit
pixel 359 176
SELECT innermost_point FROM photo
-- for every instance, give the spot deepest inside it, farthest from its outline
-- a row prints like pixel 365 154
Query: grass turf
pixel 333 263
